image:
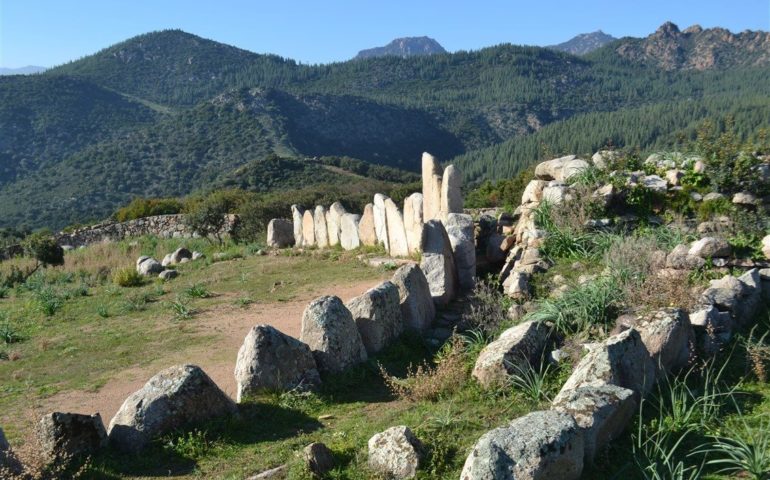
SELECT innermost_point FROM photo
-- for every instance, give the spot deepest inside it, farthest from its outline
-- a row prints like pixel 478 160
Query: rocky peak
pixel 668 29
pixel 404 47
pixel 584 43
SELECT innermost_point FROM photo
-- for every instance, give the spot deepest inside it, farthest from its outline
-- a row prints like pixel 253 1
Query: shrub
pixel 147 207
pixel 42 247
pixel 49 300
pixel 127 277
pixel 197 290
pixel 488 307
pixel 8 333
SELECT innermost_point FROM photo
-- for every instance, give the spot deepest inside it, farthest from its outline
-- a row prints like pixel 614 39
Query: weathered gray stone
pixel 460 229
pixel 330 332
pixel 417 307
pixel 377 314
pixel 280 233
pixel 533 193
pixel 556 194
pixel 438 262
pixel 67 437
pixel 680 259
pixel 516 285
pixel 510 354
pixel 413 222
pixel 176 257
pixel 674 177
pixel 708 247
pixel 745 198
pixel 168 274
pixel 713 328
pixel 668 337
pixel 380 221
pixel 431 187
pixel 713 196
pixel 9 463
pixel 620 360
pixel 725 293
pixel 602 413
pixel 349 239
pixel 308 229
pixel 560 169
pixel 148 266
pixel 654 183
pixel 270 360
pixel 395 453
pixel 319 227
pixel 451 192
pixel 334 222
pixel 296 217
pixel 366 232
pixel 318 458
pixel 766 246
pixel 172 399
pixel 603 159
pixel 539 446
pixel 397 243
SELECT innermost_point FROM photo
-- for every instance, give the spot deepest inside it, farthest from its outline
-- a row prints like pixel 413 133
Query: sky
pixel 51 32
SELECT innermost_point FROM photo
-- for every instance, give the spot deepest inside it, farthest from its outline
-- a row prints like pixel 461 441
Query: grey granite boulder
pixel 177 256
pixel 708 247
pixel 65 437
pixel 510 354
pixel 417 308
pixel 460 229
pixel 9 463
pixel 318 458
pixel 395 453
pixel 280 233
pixel 377 313
pixel 330 332
pixel 668 337
pixel 438 263
pixel 148 266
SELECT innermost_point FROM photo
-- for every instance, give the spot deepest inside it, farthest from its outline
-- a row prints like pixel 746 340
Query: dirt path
pixel 229 324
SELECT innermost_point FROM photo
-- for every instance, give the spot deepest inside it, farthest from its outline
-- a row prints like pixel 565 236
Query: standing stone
pixel 349 238
pixel 380 222
pixel 330 332
pixel 431 187
pixel 459 227
pixel 511 353
pixel 766 246
pixel 438 262
pixel 451 192
pixel 396 453
pixel 270 360
pixel 366 232
pixel 308 229
pixel 319 225
pixel 296 216
pixel 172 399
pixel 538 446
pixel 377 314
pixel 280 233
pixel 417 307
pixel 396 233
pixel 334 222
pixel 413 222
pixel 8 461
pixel 64 437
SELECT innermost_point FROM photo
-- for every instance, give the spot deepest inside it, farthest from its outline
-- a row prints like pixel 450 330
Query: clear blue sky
pixel 50 32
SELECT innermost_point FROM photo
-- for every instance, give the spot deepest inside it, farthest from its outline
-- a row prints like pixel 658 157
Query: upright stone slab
pixel 438 262
pixel 459 227
pixel 330 332
pixel 380 221
pixel 280 233
pixel 417 308
pixel 413 222
pixel 396 232
pixel 366 233
pixel 296 217
pixel 334 222
pixel 319 225
pixel 270 360
pixel 349 238
pixel 451 192
pixel 431 187
pixel 308 229
pixel 377 314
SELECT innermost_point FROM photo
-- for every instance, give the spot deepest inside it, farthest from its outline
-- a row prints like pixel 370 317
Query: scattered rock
pixel 712 196
pixel 377 314
pixel 674 177
pixel 330 332
pixel 516 285
pixel 280 233
pixel 168 274
pixel 708 247
pixel 511 353
pixel 176 257
pixel 438 263
pixel 148 266
pixel 318 458
pixel 395 453
pixel 417 307
pixel 654 183
pixel 745 198
pixel 66 437
pixel 680 259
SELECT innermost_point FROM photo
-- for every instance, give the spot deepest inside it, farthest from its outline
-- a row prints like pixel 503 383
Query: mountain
pixel 29 69
pixel 696 48
pixel 404 47
pixel 584 43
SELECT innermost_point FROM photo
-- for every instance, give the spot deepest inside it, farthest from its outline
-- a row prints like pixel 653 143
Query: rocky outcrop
pixel 395 453
pixel 330 332
pixel 270 360
pixel 438 263
pixel 280 233
pixel 377 314
pixel 67 437
pixel 513 351
pixel 417 307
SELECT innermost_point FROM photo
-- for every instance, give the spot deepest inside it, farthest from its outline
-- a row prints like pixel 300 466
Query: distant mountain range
pixel 170 113
pixel 404 47
pixel 584 43
pixel 22 70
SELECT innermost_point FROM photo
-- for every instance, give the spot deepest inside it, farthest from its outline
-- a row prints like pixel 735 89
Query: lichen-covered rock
pixel 602 413
pixel 377 314
pixel 708 247
pixel 539 446
pixel 148 266
pixel 510 353
pixel 66 437
pixel 459 228
pixel 668 337
pixel 417 308
pixel 330 332
pixel 280 233
pixel 438 262
pixel 395 453
pixel 620 360
pixel 270 360
pixel 175 397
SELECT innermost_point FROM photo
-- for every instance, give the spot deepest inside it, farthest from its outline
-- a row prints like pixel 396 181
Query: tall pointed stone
pixel 413 222
pixel 308 229
pixel 321 232
pixel 296 216
pixel 431 187
pixel 459 227
pixel 451 192
pixel 396 232
pixel 438 262
pixel 366 232
pixel 334 222
pixel 349 238
pixel 380 223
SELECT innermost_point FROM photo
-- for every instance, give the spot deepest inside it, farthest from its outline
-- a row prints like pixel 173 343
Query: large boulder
pixel 330 332
pixel 397 243
pixel 708 247
pixel 280 233
pixel 620 360
pixel 460 229
pixel 66 437
pixel 533 193
pixel 148 266
pixel 451 192
pixel 438 262
pixel 602 412
pixel 516 348
pixel 366 232
pixel 539 446
pixel 741 296
pixel 413 222
pixel 175 397
pixel 308 229
pixel 668 337
pixel 560 169
pixel 377 314
pixel 270 360
pixel 176 257
pixel 296 217
pixel 431 187
pixel 380 221
pixel 417 308
pixel 395 453
pixel 349 239
pixel 319 227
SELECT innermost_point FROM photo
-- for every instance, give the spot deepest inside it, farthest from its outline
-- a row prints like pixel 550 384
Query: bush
pixel 147 207
pixel 208 216
pixel 488 308
pixel 127 277
pixel 42 247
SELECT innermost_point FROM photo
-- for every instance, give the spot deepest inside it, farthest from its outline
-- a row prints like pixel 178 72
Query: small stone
pixel 168 274
pixel 65 437
pixel 318 458
pixel 745 198
pixel 708 247
pixel 396 453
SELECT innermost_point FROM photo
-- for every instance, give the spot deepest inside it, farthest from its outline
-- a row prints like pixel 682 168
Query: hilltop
pixel 584 43
pixel 404 47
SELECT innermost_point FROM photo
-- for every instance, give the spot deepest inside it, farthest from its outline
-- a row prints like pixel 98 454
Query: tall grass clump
pixel 127 277
pixel 745 449
pixel 564 240
pixel 488 308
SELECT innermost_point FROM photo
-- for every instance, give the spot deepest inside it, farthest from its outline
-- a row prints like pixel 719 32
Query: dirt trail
pixel 230 325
